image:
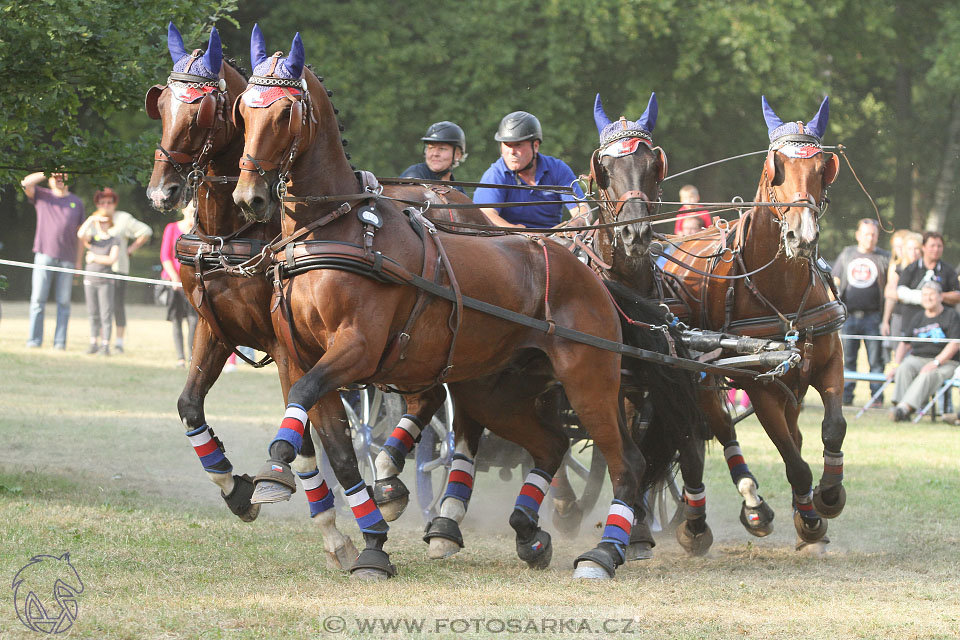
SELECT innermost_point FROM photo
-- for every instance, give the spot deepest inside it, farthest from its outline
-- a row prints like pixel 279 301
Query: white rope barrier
pixel 896 338
pixel 81 272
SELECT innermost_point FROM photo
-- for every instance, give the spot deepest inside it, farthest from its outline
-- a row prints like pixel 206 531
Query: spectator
pixel 902 257
pixel 690 196
pixel 59 214
pixel 123 227
pixel 178 309
pixel 691 225
pixel 928 268
pixel 922 367
pixel 521 163
pixel 444 148
pixel 861 275
pixel 103 251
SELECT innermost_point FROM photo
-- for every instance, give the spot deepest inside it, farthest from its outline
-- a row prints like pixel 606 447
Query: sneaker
pixel 118 348
pixel 900 414
pixel 60 347
pixel 33 345
pixel 93 348
pixel 105 350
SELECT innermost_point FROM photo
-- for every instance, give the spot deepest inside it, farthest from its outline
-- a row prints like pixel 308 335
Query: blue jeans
pixel 42 280
pixel 866 325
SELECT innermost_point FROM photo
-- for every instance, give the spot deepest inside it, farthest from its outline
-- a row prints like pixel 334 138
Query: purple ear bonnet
pixel 777 128
pixel 207 65
pixel 610 131
pixel 290 67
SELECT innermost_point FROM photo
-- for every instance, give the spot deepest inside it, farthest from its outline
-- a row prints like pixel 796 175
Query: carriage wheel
pixel 664 503
pixel 577 485
pixel 433 456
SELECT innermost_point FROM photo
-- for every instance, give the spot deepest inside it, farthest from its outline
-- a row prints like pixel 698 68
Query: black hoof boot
pixel 567 517
pixel 372 564
pixel 695 537
pixel 446 528
pixel 809 530
pixel 829 502
pixel 600 563
pixel 641 542
pixel 758 521
pixel 239 499
pixel 391 496
pixel 536 551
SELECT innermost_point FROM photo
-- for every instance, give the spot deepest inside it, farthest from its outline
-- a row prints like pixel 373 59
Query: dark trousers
pixel 865 324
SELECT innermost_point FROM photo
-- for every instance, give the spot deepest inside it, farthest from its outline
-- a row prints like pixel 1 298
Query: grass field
pixel 93 462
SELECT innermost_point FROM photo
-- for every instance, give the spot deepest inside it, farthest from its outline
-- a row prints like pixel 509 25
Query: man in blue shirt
pixel 521 163
pixel 444 148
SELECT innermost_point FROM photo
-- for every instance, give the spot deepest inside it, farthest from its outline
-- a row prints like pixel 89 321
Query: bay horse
pixel 760 277
pixel 347 315
pixel 628 169
pixel 199 147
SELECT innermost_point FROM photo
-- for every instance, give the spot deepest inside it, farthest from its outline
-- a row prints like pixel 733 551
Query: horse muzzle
pixel 253 197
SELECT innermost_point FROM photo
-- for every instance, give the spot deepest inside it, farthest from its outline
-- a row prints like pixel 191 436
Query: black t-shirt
pixel 915 274
pixel 423 171
pixel 862 278
pixel 945 325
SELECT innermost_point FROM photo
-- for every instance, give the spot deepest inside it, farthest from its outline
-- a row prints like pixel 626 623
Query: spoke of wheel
pixel 577 467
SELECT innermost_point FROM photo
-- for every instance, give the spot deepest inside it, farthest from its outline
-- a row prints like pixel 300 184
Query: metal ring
pixel 655 248
pixel 281 189
pixel 721 223
pixel 724 251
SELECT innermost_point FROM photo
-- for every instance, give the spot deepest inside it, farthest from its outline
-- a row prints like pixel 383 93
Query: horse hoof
pixel 239 499
pixel 567 516
pixel 589 570
pixel 809 531
pixel 372 564
pixel 391 496
pixel 818 548
pixel 441 548
pixel 268 492
pixel 833 509
pixel 639 551
pixel 536 552
pixel 344 557
pixel 695 544
pixel 758 521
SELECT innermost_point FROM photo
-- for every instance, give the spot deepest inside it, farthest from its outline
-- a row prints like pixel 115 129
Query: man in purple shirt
pixel 59 215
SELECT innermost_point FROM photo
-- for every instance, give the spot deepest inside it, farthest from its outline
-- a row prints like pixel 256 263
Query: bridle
pixel 301 117
pixel 610 206
pixel 211 116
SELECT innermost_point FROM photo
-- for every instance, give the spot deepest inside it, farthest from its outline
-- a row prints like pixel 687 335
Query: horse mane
pixel 236 67
pixel 336 112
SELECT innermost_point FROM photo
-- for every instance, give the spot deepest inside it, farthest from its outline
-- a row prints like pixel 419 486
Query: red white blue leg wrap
pixel 365 510
pixel 696 500
pixel 460 481
pixel 804 506
pixel 735 462
pixel 292 427
pixel 318 493
pixel 209 450
pixel 534 488
pixel 404 436
pixel 619 523
pixel 832 469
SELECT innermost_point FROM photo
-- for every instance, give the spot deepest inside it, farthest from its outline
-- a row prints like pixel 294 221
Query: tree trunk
pixel 902 185
pixel 948 172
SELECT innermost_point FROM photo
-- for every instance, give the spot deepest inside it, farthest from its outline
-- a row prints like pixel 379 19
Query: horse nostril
pixel 257 203
pixel 173 192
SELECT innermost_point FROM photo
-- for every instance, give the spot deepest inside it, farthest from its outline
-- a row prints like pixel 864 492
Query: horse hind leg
pixel 830 496
pixel 694 533
pixel 389 492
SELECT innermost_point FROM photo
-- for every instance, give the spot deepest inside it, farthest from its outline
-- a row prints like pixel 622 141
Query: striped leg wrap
pixel 401 441
pixel 292 427
pixel 696 500
pixel 735 462
pixel 365 510
pixel 804 506
pixel 619 522
pixel 832 469
pixel 534 489
pixel 460 481
pixel 209 450
pixel 318 494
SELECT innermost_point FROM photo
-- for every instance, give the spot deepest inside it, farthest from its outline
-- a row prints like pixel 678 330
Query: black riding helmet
pixel 519 126
pixel 448 132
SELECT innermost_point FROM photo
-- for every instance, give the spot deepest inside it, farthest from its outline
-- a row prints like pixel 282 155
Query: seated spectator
pixel 690 197
pixel 922 367
pixel 691 225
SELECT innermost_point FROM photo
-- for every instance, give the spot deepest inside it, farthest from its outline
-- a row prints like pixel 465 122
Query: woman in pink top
pixel 178 309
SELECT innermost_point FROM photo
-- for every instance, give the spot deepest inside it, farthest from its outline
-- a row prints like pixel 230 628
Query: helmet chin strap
pixel 532 163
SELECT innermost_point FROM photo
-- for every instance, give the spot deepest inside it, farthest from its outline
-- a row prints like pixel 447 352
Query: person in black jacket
pixel 444 148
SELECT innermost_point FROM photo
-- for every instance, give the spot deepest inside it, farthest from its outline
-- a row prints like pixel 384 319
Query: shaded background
pixel 74 79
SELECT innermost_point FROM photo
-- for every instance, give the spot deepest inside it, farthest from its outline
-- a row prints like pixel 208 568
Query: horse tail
pixel 672 393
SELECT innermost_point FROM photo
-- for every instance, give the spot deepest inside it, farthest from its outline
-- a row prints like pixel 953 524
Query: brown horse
pixel 345 317
pixel 760 278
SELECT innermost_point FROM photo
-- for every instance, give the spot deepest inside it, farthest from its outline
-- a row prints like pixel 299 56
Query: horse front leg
pixel 209 357
pixel 694 533
pixel 391 495
pixel 830 496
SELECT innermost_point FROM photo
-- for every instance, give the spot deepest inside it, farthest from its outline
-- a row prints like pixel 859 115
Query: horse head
pixel 193 109
pixel 628 170
pixel 281 112
pixel 796 170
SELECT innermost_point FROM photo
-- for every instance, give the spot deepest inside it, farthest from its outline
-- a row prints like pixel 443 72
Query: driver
pixel 521 163
pixel 444 148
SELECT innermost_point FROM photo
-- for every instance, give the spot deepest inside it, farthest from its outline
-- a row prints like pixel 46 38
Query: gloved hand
pixel 907 295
